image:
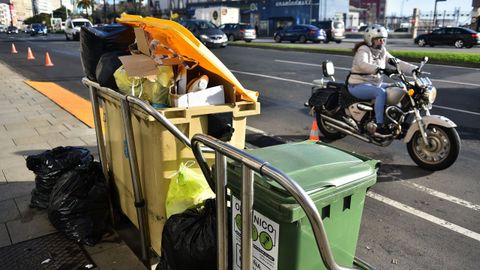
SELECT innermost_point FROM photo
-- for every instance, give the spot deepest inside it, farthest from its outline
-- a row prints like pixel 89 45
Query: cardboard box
pixel 210 96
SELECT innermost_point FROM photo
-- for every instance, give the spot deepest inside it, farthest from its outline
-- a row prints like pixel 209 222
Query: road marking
pixel 425 216
pixel 270 77
pixel 71 102
pixel 348 69
pixel 442 195
pixel 256 130
pixel 311 84
pixel 457 110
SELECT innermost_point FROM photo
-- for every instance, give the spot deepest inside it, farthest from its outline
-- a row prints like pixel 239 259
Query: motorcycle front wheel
pixel 442 149
pixel 328 132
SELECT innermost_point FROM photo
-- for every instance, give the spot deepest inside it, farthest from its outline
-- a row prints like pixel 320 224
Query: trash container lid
pixel 316 166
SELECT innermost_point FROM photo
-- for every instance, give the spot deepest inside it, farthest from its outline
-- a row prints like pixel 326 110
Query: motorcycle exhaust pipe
pixel 342 127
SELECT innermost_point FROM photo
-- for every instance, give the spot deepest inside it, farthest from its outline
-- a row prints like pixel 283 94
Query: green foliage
pixel 61 13
pixel 39 18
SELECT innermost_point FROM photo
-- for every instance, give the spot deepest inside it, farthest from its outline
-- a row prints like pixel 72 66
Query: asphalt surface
pixel 414 231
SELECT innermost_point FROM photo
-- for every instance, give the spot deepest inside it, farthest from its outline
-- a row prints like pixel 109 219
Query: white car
pixel 73 26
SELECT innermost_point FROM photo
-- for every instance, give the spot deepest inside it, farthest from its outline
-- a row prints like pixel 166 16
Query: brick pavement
pixel 30 123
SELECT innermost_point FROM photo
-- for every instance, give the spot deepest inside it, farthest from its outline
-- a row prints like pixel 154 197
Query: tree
pixel 61 13
pixel 39 18
pixel 86 4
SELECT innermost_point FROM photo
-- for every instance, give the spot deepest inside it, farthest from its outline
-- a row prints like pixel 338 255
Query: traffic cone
pixel 14 50
pixel 314 132
pixel 48 62
pixel 30 54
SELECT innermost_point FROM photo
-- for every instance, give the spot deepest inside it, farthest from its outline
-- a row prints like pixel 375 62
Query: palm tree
pixel 86 4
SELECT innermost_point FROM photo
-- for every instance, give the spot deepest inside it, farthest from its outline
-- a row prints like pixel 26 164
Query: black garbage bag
pixel 189 240
pixel 79 204
pixel 95 41
pixel 107 65
pixel 220 126
pixel 48 166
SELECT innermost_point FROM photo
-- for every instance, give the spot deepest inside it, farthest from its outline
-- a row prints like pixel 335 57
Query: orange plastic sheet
pixel 183 42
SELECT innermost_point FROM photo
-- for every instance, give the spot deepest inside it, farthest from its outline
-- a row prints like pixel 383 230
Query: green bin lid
pixel 315 166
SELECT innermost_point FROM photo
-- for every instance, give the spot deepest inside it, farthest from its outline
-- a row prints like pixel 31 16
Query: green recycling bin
pixel 336 181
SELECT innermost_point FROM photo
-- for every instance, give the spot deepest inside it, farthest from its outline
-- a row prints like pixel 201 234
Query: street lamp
pixel 435 12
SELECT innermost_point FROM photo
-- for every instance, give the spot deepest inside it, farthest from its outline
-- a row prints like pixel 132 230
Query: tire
pixel 248 40
pixel 316 41
pixel 326 41
pixel 231 38
pixel 338 41
pixel 458 43
pixel 443 152
pixel 66 37
pixel 328 132
pixel 302 39
pixel 422 42
pixel 278 39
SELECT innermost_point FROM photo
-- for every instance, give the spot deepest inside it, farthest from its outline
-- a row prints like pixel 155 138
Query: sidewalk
pixel 29 124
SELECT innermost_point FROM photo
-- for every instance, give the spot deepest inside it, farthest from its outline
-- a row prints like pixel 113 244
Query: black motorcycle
pixel 432 140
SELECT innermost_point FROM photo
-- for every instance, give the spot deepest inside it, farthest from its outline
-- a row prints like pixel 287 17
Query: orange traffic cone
pixel 30 54
pixel 48 62
pixel 14 50
pixel 314 132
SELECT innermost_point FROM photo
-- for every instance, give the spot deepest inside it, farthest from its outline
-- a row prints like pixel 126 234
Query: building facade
pixel 5 14
pixel 269 15
pixel 373 11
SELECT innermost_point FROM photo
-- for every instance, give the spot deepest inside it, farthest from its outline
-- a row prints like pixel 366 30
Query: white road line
pixel 442 195
pixel 256 130
pixel 457 110
pixel 270 77
pixel 426 216
pixel 343 68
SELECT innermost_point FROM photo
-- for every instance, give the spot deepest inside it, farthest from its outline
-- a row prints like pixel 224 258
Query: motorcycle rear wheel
pixel 328 132
pixel 440 154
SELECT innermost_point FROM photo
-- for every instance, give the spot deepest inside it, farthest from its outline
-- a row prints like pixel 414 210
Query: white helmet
pixel 374 31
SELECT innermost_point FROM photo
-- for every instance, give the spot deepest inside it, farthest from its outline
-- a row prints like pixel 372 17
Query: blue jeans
pixel 370 91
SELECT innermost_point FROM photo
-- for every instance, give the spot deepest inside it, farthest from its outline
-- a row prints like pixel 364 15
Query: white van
pixel 72 28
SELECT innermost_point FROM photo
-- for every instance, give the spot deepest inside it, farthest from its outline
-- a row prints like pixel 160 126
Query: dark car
pixel 206 32
pixel 335 30
pixel 239 31
pixel 38 29
pixel 301 33
pixel 402 30
pixel 456 36
pixel 12 30
pixel 362 28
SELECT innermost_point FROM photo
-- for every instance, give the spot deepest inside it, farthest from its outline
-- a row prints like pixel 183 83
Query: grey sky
pixel 395 6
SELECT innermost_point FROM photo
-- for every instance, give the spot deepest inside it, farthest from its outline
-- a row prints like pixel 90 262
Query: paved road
pixel 423 220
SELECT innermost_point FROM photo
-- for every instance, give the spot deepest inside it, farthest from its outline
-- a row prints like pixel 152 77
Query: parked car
pixel 206 32
pixel 239 31
pixel 38 29
pixel 301 33
pixel 12 30
pixel 73 26
pixel 3 29
pixel 362 28
pixel 335 30
pixel 402 30
pixel 456 36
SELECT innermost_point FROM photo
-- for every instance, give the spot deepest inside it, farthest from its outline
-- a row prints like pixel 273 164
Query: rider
pixel 369 63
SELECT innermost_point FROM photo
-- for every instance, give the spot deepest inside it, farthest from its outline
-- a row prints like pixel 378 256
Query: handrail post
pixel 222 239
pixel 137 189
pixel 247 211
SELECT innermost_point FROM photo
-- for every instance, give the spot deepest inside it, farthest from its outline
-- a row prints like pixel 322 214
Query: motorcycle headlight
pixel 431 94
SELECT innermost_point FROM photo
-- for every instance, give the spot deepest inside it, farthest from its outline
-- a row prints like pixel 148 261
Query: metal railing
pixel 250 164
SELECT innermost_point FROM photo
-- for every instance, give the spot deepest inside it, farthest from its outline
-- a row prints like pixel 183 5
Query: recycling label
pixel 265 234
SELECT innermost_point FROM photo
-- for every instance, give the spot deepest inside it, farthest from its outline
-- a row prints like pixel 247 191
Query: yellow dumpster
pixel 159 153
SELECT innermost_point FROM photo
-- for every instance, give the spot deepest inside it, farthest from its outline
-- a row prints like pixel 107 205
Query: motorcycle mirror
pixel 393 61
pixel 328 68
pixel 425 59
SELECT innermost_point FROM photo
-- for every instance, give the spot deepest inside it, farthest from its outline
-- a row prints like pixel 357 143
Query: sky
pixel 425 6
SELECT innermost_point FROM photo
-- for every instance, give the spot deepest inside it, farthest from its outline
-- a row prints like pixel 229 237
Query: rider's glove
pixel 390 71
pixel 380 71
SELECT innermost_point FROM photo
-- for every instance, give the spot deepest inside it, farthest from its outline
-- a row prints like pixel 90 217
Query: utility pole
pixel 435 12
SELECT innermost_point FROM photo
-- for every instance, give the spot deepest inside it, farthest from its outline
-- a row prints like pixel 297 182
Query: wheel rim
pixel 438 148
pixel 277 38
pixel 421 42
pixel 459 44
pixel 230 38
pixel 302 39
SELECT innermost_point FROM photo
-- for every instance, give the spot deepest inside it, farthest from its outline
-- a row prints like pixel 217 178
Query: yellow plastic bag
pixel 187 188
pixel 153 89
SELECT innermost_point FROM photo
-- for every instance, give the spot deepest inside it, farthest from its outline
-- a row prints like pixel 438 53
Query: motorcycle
pixel 432 140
